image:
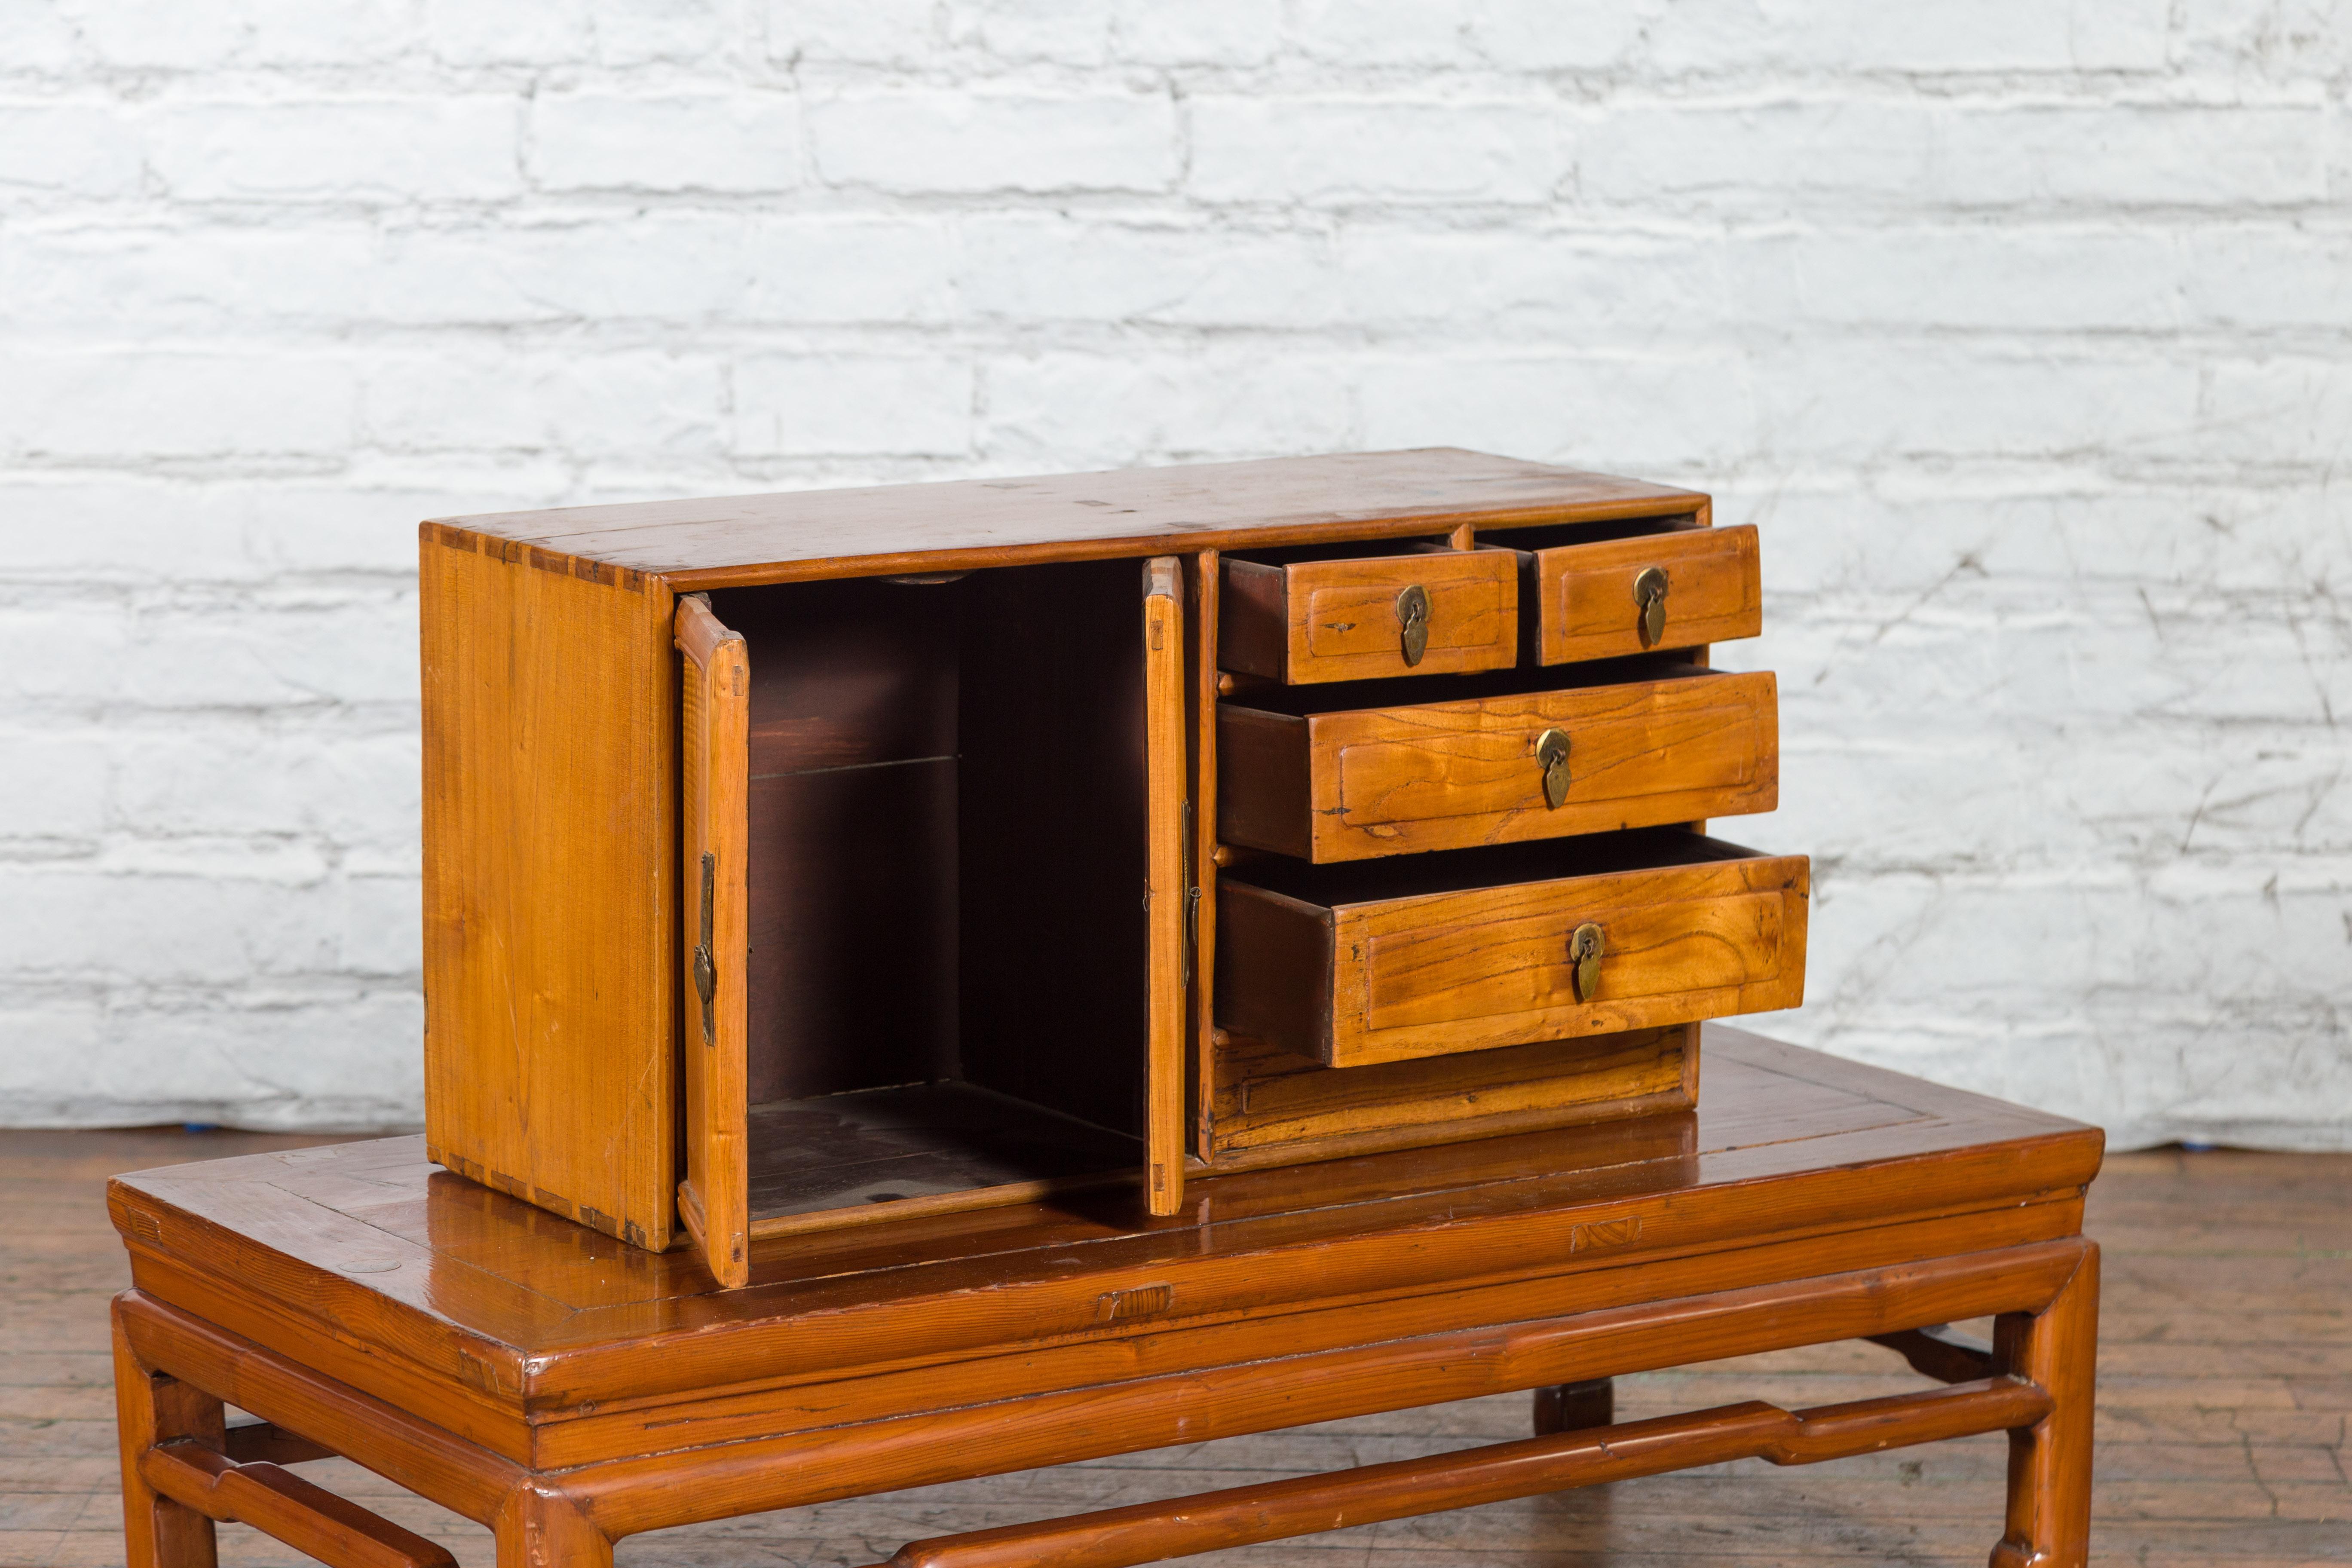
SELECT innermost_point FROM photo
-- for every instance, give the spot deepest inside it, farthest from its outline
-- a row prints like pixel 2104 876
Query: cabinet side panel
pixel 550 731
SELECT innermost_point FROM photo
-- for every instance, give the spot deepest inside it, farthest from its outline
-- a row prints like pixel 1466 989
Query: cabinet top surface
pixel 735 539
pixel 1787 1142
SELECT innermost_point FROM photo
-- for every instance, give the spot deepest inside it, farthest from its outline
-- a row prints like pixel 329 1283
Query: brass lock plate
pixel 706 968
pixel 1650 602
pixel 1412 623
pixel 1551 755
pixel 1586 946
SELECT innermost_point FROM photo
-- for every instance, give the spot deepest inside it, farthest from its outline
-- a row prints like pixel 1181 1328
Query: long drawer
pixel 1381 962
pixel 1680 745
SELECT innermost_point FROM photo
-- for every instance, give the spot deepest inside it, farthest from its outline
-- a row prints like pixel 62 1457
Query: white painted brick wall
pixel 2024 329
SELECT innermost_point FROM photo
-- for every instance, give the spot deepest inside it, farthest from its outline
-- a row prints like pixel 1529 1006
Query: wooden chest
pixel 795 861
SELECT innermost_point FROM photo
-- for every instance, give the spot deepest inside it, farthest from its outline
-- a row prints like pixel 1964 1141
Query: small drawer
pixel 1676 589
pixel 1350 965
pixel 1682 745
pixel 1355 619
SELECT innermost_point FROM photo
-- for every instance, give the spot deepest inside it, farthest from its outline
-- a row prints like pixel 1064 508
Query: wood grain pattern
pixel 627 1496
pixel 1167 890
pixel 1817 1200
pixel 1273 1104
pixel 151 1407
pixel 1584 603
pixel 2221 1333
pixel 1134 1340
pixel 879 1155
pixel 1243 1516
pixel 2050 1461
pixel 733 541
pixel 1448 775
pixel 406 1448
pixel 1434 961
pixel 551 739
pixel 281 1504
pixel 1338 618
pixel 714 775
pixel 508 1310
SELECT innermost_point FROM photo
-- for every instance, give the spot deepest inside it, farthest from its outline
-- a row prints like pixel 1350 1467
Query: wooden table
pixel 567 1390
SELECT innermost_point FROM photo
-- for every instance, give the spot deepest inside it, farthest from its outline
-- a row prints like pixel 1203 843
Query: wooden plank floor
pixel 2225 1387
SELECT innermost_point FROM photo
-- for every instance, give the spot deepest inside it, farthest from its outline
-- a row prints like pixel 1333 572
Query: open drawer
pixel 1428 955
pixel 1386 770
pixel 1300 617
pixel 1669 587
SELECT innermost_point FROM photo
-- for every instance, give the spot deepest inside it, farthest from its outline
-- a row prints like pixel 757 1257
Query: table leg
pixel 2050 1461
pixel 540 1526
pixel 151 1409
pixel 1571 1406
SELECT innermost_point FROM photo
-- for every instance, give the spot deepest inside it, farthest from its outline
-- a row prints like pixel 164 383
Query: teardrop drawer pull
pixel 1551 755
pixel 1649 596
pixel 1586 946
pixel 1413 620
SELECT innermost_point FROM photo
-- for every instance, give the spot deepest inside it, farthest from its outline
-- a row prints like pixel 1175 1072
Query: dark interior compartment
pixel 853 787
pixel 1053 824
pixel 1552 535
pixel 1342 550
pixel 1494 865
pixel 1409 691
pixel 947 821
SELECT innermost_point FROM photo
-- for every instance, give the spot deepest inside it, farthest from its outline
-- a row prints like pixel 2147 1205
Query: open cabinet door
pixel 715 1198
pixel 1168 886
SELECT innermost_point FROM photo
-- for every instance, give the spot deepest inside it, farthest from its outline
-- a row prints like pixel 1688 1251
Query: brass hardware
pixel 1551 755
pixel 706 968
pixel 1412 617
pixel 1649 595
pixel 1585 947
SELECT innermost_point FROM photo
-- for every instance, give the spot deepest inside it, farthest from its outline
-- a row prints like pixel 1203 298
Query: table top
pixel 726 539
pixel 369 1243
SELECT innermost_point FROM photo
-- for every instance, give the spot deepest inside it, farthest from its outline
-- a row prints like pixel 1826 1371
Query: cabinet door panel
pixel 1171 893
pixel 715 712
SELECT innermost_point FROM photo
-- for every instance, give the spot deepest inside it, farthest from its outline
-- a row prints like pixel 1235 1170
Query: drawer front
pixel 1450 775
pixel 1468 971
pixel 1588 598
pixel 1346 620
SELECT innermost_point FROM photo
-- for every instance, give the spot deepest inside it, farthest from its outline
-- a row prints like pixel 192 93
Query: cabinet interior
pixel 946 985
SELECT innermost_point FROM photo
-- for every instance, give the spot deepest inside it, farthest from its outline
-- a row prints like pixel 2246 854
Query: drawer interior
pixel 1459 870
pixel 945 987
pixel 1342 550
pixel 1552 535
pixel 1410 690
